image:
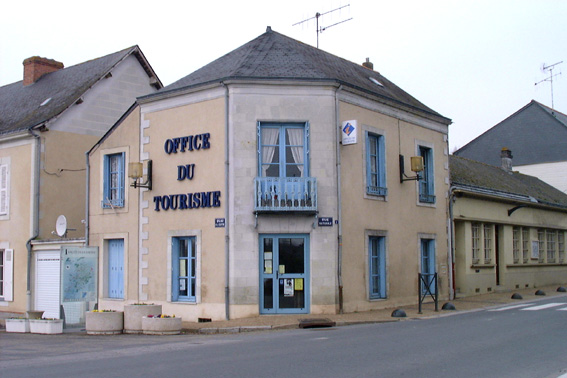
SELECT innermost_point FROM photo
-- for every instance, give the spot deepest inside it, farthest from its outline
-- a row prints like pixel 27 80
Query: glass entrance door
pixel 284 274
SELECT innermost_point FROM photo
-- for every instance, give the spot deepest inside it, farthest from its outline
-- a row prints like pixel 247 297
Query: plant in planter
pixel 161 325
pixel 46 326
pixel 20 325
pixel 104 322
pixel 133 314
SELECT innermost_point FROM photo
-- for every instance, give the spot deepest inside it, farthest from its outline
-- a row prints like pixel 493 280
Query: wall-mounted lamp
pixel 136 172
pixel 416 166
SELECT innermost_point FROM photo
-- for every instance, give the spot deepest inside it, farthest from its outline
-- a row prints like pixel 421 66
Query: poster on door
pixel 288 287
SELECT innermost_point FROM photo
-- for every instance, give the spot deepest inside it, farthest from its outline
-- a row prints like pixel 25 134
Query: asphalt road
pixel 525 341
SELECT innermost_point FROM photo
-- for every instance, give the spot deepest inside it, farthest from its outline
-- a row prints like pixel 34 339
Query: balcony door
pixel 283 164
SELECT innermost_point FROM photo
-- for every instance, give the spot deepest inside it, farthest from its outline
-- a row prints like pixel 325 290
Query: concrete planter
pixel 17 325
pixel 133 315
pixel 161 326
pixel 104 323
pixel 46 326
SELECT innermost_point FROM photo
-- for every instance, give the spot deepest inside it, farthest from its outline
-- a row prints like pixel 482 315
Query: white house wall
pixel 555 174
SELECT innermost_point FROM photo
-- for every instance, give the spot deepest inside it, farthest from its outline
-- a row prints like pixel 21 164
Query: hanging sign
pixel 349 132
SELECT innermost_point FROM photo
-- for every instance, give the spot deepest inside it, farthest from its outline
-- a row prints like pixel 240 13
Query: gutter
pixel 227 205
pixel 339 209
pixel 88 179
pixel 35 216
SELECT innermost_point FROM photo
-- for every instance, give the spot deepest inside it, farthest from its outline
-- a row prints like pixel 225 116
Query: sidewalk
pixel 274 322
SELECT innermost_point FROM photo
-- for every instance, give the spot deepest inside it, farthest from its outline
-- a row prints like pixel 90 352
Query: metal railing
pixel 273 194
pixel 427 285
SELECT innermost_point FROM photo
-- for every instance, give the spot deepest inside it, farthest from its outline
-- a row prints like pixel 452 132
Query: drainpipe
pixel 35 215
pixel 226 207
pixel 451 256
pixel 339 215
pixel 87 199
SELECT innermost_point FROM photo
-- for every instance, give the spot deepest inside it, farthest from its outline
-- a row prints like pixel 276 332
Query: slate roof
pixel 20 106
pixel 488 179
pixel 535 134
pixel 274 56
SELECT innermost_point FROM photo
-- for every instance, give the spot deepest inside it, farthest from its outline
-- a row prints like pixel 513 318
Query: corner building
pixel 257 204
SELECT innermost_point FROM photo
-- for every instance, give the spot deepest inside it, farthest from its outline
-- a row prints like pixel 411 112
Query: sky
pixel 473 61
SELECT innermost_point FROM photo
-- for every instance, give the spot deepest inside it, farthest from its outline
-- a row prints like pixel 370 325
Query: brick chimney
pixel 368 64
pixel 35 67
pixel 506 157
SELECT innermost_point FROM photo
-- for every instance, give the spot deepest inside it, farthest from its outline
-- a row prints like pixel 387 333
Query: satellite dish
pixel 61 225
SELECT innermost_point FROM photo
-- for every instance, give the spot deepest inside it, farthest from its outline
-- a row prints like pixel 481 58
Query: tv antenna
pixel 321 29
pixel 550 77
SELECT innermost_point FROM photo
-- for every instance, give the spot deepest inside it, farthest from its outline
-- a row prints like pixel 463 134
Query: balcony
pixel 285 194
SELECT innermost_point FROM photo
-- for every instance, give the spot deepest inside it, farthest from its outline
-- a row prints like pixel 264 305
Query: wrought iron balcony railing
pixel 283 194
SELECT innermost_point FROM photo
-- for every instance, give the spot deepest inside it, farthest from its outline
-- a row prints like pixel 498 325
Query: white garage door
pixel 47 282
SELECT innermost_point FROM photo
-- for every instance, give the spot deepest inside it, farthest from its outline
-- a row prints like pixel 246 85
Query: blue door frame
pixel 284 274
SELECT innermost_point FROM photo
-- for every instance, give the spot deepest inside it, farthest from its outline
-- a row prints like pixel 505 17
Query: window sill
pixel 535 265
pixel 480 266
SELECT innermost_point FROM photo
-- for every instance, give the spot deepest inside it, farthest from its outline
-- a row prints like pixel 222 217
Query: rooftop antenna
pixel 550 78
pixel 323 28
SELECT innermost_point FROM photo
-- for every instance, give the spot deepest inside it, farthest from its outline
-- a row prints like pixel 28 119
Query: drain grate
pixel 316 323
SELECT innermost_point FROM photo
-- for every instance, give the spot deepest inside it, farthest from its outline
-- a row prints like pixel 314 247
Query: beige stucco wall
pixel 117 223
pixel 16 228
pixel 477 279
pixel 398 216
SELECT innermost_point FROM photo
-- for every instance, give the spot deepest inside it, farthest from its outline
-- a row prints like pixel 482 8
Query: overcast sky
pixel 475 62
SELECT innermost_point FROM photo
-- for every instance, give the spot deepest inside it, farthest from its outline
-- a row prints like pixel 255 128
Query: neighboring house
pixel 251 204
pixel 47 123
pixel 508 228
pixel 537 135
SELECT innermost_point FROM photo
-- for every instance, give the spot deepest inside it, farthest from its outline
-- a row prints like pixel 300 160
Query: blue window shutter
pixel 116 268
pixel 175 269
pixel 106 181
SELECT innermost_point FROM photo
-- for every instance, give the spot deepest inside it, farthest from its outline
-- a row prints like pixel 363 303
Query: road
pixel 529 340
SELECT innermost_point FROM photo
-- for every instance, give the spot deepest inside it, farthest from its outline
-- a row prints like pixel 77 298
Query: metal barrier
pixel 427 285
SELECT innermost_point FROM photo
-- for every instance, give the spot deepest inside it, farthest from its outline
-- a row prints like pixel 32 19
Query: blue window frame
pixel 283 150
pixel 114 179
pixel 184 260
pixel 375 165
pixel 427 177
pixel 116 268
pixel 377 267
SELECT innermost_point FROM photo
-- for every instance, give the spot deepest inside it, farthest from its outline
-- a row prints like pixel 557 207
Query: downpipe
pixel 35 220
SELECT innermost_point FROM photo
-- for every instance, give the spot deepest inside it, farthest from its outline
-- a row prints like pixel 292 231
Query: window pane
pixel 291 255
pixel 183 248
pixel 182 268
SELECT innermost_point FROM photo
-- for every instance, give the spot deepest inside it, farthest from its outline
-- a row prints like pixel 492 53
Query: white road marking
pixel 511 307
pixel 542 307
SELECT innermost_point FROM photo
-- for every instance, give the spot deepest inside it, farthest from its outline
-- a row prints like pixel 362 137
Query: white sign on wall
pixel 349 132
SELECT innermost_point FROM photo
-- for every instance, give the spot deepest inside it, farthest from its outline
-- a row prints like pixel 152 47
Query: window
pixel 475 228
pixel 283 150
pixel 516 241
pixel 184 260
pixel 561 245
pixel 541 244
pixel 113 181
pixel 426 181
pixel 116 268
pixel 4 189
pixel 377 267
pixel 525 244
pixel 487 234
pixel 550 234
pixel 375 165
pixel 6 274
pixel 428 267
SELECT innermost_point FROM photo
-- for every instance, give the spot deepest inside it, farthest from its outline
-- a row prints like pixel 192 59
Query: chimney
pixel 368 64
pixel 506 157
pixel 35 67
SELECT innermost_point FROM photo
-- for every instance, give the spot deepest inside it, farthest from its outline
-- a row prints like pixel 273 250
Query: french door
pixel 284 274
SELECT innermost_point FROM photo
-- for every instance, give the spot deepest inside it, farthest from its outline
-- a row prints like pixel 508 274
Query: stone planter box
pixel 133 315
pixel 46 326
pixel 17 325
pixel 104 323
pixel 161 326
